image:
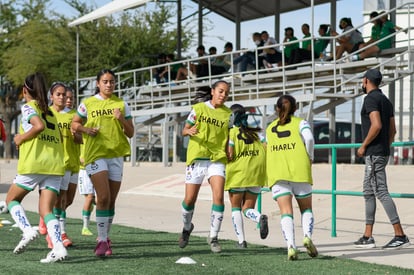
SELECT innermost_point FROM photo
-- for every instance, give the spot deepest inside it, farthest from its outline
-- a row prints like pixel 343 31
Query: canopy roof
pixel 108 9
pixel 254 9
pixel 249 9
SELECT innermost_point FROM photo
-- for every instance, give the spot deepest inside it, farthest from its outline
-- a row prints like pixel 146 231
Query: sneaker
pixel 214 245
pixel 65 240
pixel 242 245
pixel 86 232
pixel 185 236
pixel 397 242
pixel 292 254
pixel 42 227
pixel 264 227
pixel 101 248
pixel 24 242
pixel 310 247
pixel 365 242
pixel 108 252
pixel 49 242
pixel 55 255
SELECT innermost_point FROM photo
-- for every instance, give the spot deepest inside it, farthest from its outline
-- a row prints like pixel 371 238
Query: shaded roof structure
pixel 250 10
pixel 108 9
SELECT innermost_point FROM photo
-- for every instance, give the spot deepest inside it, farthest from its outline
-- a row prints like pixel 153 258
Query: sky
pixel 223 30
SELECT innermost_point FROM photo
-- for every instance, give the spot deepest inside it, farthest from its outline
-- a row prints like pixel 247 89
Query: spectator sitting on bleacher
pixel 302 54
pixel 249 57
pixel 222 63
pixel 158 70
pixel 375 30
pixel 289 37
pixel 387 28
pixel 200 68
pixel 270 55
pixel 349 42
pixel 212 51
pixel 173 68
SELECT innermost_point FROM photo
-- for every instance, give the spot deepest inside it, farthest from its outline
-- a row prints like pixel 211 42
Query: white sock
pixel 86 217
pixel 288 230
pixel 187 215
pixel 62 223
pixel 237 219
pixel 102 227
pixel 86 220
pixel 19 216
pixel 252 214
pixel 110 220
pixel 216 220
pixel 307 223
pixel 53 230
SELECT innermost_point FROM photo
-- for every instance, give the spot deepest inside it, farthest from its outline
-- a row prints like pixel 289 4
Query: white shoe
pixel 58 254
pixel 26 239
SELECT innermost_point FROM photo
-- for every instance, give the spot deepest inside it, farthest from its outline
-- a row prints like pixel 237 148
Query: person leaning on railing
pixel 387 28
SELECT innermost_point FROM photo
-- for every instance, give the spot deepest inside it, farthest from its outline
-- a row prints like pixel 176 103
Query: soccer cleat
pixel 292 254
pixel 42 227
pixel 242 245
pixel 310 247
pixel 24 242
pixel 365 242
pixel 86 232
pixel 108 252
pixel 185 236
pixel 264 227
pixel 55 255
pixel 214 245
pixel 65 240
pixel 397 242
pixel 49 242
pixel 101 248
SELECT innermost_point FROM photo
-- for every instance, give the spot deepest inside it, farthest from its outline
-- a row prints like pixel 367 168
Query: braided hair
pixel 248 134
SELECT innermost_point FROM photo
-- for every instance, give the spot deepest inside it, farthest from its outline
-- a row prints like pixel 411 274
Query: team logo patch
pixel 94 166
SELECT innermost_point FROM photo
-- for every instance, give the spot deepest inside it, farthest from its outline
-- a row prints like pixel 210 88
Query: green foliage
pixel 137 251
pixel 40 40
pixel 129 41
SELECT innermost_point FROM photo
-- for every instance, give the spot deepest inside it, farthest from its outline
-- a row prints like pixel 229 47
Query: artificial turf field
pixel 137 251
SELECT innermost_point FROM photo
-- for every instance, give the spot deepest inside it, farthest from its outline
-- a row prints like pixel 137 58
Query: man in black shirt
pixel 378 131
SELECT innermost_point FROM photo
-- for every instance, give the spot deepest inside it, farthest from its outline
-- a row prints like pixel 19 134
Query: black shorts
pixel 356 46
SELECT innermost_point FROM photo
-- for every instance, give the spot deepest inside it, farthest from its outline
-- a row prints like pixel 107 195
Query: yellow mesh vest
pixel 286 156
pixel 248 168
pixel 71 149
pixel 210 142
pixel 44 153
pixel 110 142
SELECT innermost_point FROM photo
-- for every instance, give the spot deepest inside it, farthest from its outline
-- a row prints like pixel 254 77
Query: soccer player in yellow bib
pixel 245 173
pixel 289 162
pixel 84 182
pixel 71 146
pixel 40 164
pixel 105 122
pixel 208 128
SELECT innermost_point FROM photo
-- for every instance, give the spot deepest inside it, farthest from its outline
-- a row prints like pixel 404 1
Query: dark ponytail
pixel 35 84
pixel 286 107
pixel 248 134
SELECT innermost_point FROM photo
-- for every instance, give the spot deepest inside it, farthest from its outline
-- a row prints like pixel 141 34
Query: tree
pixel 36 39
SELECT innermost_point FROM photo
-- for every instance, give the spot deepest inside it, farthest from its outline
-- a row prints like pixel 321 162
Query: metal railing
pixel 333 191
pixel 146 97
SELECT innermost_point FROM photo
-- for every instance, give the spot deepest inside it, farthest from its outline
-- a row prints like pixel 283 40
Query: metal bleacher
pixel 162 107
